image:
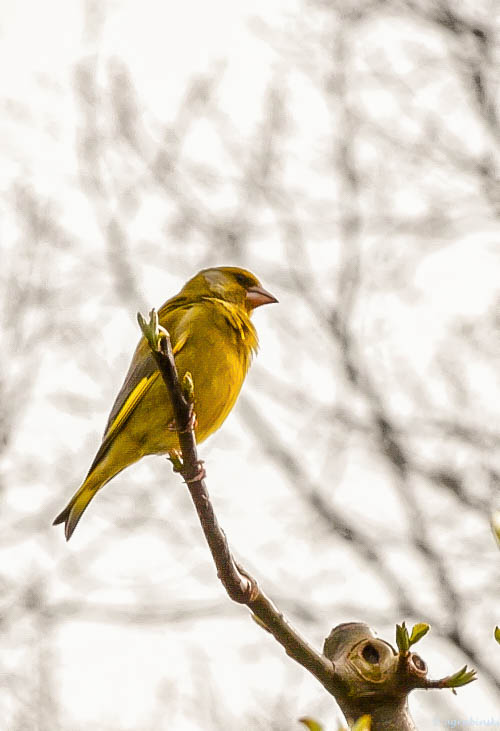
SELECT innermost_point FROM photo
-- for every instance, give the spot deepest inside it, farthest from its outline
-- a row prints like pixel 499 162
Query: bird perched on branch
pixel 213 338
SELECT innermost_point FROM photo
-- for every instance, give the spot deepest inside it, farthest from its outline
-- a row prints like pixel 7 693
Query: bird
pixel 213 339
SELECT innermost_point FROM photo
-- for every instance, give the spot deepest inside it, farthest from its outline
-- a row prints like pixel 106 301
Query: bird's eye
pixel 241 279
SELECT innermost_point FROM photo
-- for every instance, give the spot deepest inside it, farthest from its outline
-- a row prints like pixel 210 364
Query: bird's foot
pixel 175 457
pixel 200 474
pixel 190 425
pixel 192 421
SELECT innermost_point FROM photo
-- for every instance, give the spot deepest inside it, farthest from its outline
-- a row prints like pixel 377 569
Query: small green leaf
pixel 142 322
pixel 175 457
pixel 263 625
pixel 311 724
pixel 497 634
pixel 364 723
pixel 149 329
pixel 145 327
pixel 402 638
pixel 495 525
pixel 418 631
pixel 461 677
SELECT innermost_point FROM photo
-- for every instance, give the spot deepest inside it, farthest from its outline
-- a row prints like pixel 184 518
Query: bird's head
pixel 231 284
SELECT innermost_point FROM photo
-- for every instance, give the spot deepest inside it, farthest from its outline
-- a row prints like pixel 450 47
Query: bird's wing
pixel 139 379
pixel 143 371
pixel 140 376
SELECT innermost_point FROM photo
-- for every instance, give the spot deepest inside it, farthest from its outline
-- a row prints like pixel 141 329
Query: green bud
pixel 175 458
pixel 364 723
pixel 402 638
pixel 188 387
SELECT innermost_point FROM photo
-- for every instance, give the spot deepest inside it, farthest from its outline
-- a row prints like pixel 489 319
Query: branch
pixel 364 674
pixel 376 680
pixel 239 585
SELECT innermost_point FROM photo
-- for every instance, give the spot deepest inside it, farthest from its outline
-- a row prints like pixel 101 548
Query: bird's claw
pixel 192 421
pixel 178 466
pixel 190 425
pixel 200 475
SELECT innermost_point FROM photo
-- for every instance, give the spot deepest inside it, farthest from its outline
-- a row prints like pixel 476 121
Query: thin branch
pixel 239 585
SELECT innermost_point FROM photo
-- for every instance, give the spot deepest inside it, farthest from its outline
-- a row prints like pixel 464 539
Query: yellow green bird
pixel 213 338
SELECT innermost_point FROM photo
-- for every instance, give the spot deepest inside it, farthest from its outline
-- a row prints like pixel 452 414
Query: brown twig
pixel 240 586
pixel 364 674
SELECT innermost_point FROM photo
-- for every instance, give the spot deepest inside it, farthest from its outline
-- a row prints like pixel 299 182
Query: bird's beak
pixel 257 296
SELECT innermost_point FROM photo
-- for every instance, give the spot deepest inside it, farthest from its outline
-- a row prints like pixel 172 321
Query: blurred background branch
pixel 349 156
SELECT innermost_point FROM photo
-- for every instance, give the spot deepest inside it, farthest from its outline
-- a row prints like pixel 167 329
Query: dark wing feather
pixel 142 373
pixel 143 364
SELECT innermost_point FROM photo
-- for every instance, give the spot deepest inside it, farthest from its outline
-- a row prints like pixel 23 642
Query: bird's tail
pixel 100 473
pixel 109 461
pixel 74 510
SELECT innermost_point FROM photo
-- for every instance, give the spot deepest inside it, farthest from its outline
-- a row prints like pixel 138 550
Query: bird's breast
pixel 218 358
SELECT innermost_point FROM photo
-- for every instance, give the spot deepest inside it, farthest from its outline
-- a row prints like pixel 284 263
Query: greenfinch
pixel 213 338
